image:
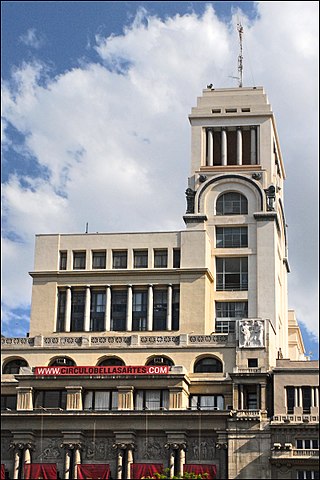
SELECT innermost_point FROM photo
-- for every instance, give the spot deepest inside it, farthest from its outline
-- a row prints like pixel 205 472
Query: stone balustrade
pixel 295 419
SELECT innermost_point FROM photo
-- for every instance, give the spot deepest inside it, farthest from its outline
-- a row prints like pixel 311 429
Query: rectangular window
pixel 231 237
pixel 151 400
pixel 290 399
pixel 8 402
pixel 78 298
pixel 100 400
pixel 232 273
pixel 99 259
pixel 206 402
pixel 175 308
pixel 176 258
pixel 306 399
pixel 63 261
pixel 160 258
pixel 50 399
pixel 160 309
pixel 79 260
pixel 119 259
pixel 307 474
pixel 118 310
pixel 97 310
pixel 226 312
pixel 252 363
pixel 139 310
pixel 140 258
pixel 61 310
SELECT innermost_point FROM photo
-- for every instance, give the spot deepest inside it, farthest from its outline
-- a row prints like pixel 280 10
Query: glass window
pixel 208 365
pixel 99 259
pixel 100 400
pixel 13 366
pixel 79 260
pixel 61 310
pixel 231 237
pixel 63 261
pixel 290 399
pixel 139 310
pixel 206 402
pixel 111 362
pixel 119 259
pixel 50 399
pixel 60 361
pixel 118 310
pixel 306 399
pixel 151 400
pixel 175 308
pixel 232 203
pixel 78 298
pixel 176 258
pixel 160 361
pixel 160 259
pixel 97 310
pixel 140 258
pixel 8 402
pixel 160 309
pixel 232 273
pixel 252 362
pixel 225 311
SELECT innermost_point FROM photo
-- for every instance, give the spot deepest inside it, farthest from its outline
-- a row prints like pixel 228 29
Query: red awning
pixel 3 471
pixel 141 470
pixel 93 470
pixel 197 468
pixel 33 471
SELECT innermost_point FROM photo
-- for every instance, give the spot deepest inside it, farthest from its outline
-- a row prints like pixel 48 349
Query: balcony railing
pixel 287 419
pixel 295 453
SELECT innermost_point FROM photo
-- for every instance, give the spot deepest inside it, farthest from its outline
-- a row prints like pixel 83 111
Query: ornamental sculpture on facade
pixel 251 333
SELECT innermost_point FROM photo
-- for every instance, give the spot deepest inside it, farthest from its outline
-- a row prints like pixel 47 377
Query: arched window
pixel 207 365
pixel 13 366
pixel 60 361
pixel 232 203
pixel 160 361
pixel 111 362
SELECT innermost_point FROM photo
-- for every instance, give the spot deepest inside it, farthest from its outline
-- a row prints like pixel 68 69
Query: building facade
pixel 175 349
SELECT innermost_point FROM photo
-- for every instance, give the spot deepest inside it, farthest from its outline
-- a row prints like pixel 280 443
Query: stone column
pixel 125 397
pixel 300 398
pixel 253 149
pixel 150 308
pixel 67 463
pixel 210 147
pixel 316 397
pixel 87 310
pixel 258 397
pixel 222 448
pixel 107 315
pixel 77 460
pixel 263 396
pixel 239 146
pixel 169 308
pixel 235 396
pixel 24 398
pixel 67 318
pixel 27 455
pixel 171 463
pixel 182 458
pixel 223 146
pixel 296 397
pixel 129 309
pixel 312 397
pixel 119 463
pixel 74 398
pixel 17 451
pixel 129 460
pixel 241 397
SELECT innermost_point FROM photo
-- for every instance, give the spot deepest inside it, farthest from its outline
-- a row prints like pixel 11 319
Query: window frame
pixel 222 205
pixel 119 259
pixel 113 400
pixel 140 258
pixel 223 275
pixel 79 257
pixel 232 237
pixel 160 258
pixel 100 255
pixel 163 399
pixel 62 399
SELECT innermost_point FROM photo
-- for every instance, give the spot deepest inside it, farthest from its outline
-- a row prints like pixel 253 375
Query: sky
pixel 95 104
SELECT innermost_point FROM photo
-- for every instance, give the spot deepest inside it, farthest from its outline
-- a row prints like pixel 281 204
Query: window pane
pixel 61 310
pixel 79 260
pixel 119 259
pixel 118 310
pixel 63 260
pixel 141 259
pixel 98 259
pixel 160 258
pixel 232 203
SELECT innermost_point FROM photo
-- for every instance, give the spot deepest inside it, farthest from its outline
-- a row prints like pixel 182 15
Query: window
pixel 111 362
pixel 176 258
pixel 307 474
pixel 79 260
pixel 13 366
pixel 175 308
pixel 307 444
pixel 60 361
pixel 208 365
pixel 160 259
pixel 140 258
pixel 252 363
pixel 78 298
pixel 50 399
pixel 206 402
pixel 232 203
pixel 118 310
pixel 232 273
pixel 100 400
pixel 306 399
pixel 160 309
pixel 139 310
pixel 160 361
pixel 119 259
pixel 99 259
pixel 290 399
pixel 63 261
pixel 8 402
pixel 97 310
pixel 61 310
pixel 225 311
pixel 151 400
pixel 231 237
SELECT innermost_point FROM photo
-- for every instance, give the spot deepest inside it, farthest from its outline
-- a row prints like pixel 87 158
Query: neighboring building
pixel 220 381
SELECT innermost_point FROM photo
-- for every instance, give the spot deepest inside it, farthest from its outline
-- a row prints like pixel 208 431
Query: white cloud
pixel 33 39
pixel 115 139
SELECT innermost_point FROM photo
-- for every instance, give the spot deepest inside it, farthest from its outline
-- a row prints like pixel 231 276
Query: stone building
pixel 172 349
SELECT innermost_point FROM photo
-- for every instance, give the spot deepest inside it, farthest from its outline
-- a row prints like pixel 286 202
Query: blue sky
pixel 75 74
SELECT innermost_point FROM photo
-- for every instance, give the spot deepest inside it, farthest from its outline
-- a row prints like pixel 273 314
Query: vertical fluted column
pixel 210 147
pixel 67 318
pixel 107 315
pixel 223 147
pixel 27 455
pixel 129 309
pixel 77 460
pixel 241 397
pixel 300 397
pixel 316 397
pixel 119 464
pixel 129 460
pixel 169 308
pixel 67 463
pixel 171 463
pixel 239 146
pixel 182 459
pixel 150 308
pixel 253 148
pixel 87 310
pixel 296 397
pixel 235 396
pixel 17 452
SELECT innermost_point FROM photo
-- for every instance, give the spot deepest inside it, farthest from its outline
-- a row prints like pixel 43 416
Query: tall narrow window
pixel 63 261
pixel 79 260
pixel 77 310
pixel 61 310
pixel 176 258
pixel 139 310
pixel 159 309
pixel 306 399
pixel 232 203
pixel 97 310
pixel 140 258
pixel 290 399
pixel 175 308
pixel 232 273
pixel 231 237
pixel 160 258
pixel 119 259
pixel 227 312
pixel 99 259
pixel 118 310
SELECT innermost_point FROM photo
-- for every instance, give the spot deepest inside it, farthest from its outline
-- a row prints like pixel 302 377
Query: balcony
pixel 294 454
pixel 251 415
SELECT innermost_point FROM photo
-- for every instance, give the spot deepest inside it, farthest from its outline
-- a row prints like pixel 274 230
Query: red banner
pixel 104 370
pixel 3 471
pixel 211 470
pixel 142 470
pixel 93 471
pixel 33 471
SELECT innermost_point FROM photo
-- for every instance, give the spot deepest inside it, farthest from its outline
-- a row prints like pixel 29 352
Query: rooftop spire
pixel 240 57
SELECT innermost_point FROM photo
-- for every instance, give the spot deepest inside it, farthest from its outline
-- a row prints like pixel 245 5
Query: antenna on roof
pixel 240 57
pixel 87 227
